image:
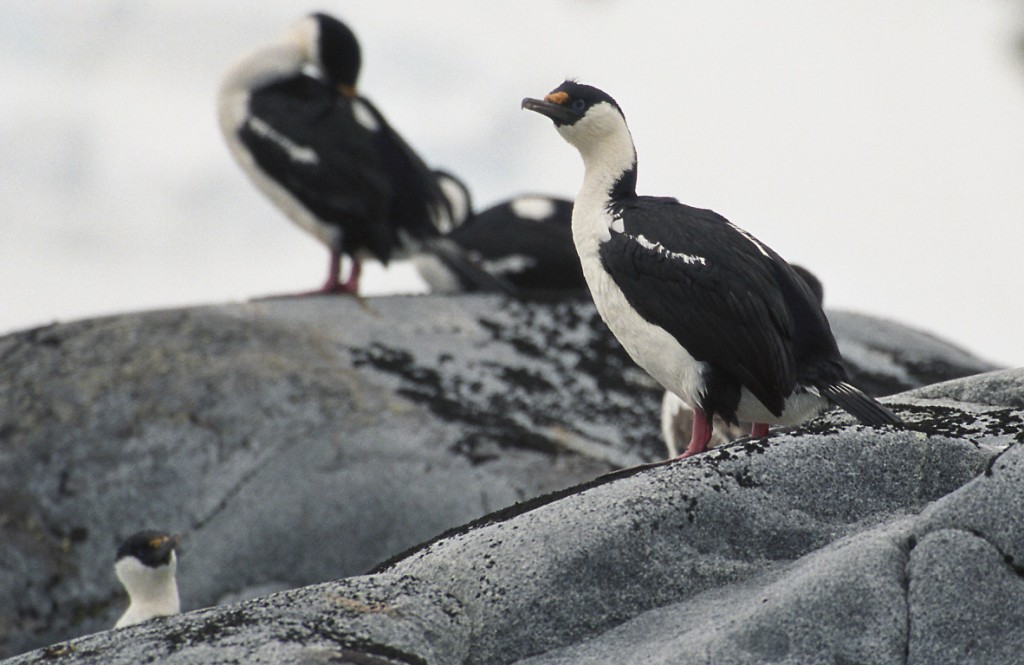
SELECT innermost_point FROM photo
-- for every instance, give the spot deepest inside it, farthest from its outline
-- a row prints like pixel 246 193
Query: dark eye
pixel 578 105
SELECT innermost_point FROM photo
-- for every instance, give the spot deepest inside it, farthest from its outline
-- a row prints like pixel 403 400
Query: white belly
pixel 650 347
pixel 232 113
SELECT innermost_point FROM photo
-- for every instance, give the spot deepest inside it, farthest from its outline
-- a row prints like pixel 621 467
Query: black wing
pixel 551 259
pixel 728 299
pixel 418 202
pixel 306 137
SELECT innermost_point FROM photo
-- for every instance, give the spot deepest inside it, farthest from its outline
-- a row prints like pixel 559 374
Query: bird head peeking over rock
pixel 713 314
pixel 146 566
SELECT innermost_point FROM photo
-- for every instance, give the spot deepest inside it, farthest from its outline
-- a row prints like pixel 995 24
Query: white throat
pixel 152 592
pixel 606 146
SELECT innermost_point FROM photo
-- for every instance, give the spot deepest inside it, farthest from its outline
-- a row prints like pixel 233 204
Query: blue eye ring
pixel 578 105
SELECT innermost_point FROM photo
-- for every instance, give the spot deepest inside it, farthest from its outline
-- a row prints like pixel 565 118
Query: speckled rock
pixel 290 441
pixel 885 357
pixel 372 620
pixel 832 543
pixel 300 440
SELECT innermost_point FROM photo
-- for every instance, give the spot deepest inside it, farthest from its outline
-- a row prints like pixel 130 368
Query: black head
pixel 569 102
pixel 339 51
pixel 152 548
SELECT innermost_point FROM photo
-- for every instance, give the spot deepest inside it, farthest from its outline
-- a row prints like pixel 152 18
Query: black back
pixel 736 304
pixel 499 232
pixel 367 182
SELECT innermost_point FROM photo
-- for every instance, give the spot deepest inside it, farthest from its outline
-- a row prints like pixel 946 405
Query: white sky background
pixel 879 143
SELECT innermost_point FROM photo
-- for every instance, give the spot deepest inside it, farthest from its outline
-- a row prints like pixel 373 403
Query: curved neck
pixel 276 61
pixel 609 167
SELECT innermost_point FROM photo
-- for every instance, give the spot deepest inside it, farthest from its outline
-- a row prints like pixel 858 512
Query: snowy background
pixel 879 143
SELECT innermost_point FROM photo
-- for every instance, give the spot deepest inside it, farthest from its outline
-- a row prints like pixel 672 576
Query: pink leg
pixel 334 284
pixel 701 434
pixel 351 285
pixel 758 430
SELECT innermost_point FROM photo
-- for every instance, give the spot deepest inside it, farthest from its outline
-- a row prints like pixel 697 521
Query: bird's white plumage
pixel 296 152
pixel 457 195
pixel 152 592
pixel 658 247
pixel 509 264
pixel 364 116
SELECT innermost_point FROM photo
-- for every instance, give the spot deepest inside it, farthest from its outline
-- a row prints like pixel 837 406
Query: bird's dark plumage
pixel 711 312
pixel 533 253
pixel 733 307
pixel 150 547
pixel 368 183
pixel 525 242
pixel 327 156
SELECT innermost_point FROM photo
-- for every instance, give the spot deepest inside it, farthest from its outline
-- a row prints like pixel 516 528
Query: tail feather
pixel 862 407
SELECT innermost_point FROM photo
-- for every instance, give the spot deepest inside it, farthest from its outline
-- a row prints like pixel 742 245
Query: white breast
pixel 650 346
pixel 152 592
pixel 257 69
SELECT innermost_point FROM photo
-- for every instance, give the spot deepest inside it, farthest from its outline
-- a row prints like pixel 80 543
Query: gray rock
pixel 296 441
pixel 376 620
pixel 833 543
pixel 1000 388
pixel 884 357
pixel 291 441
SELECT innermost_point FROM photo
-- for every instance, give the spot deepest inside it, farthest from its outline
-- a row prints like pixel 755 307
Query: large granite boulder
pixel 290 441
pixel 832 543
pixel 885 357
pixel 299 440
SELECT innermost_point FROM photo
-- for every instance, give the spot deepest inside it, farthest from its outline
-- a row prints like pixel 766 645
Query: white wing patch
pixel 689 259
pixel 617 225
pixel 297 153
pixel 364 116
pixel 513 264
pixel 534 208
pixel 752 239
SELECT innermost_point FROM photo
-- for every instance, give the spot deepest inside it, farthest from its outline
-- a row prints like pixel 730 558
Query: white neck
pixel 151 591
pixel 604 142
pixel 606 146
pixel 273 62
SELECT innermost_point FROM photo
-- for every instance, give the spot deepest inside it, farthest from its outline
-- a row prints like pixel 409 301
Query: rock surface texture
pixel 297 441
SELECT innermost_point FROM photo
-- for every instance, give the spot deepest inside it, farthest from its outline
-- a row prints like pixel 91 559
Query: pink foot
pixel 758 430
pixel 334 284
pixel 701 434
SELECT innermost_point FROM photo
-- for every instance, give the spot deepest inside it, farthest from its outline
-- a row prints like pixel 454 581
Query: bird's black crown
pixel 339 51
pixel 152 548
pixel 581 96
pixel 569 102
